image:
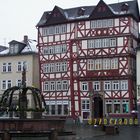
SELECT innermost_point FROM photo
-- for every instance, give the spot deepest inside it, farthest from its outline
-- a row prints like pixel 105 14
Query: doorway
pixel 98 107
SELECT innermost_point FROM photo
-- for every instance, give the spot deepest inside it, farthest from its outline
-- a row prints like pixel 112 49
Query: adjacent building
pixel 13 59
pixel 138 78
pixel 87 59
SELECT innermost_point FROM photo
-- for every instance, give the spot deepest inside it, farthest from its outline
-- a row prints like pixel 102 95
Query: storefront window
pixel 59 109
pixel 109 108
pixel 117 106
pixel 53 110
pixel 125 106
pixel 65 109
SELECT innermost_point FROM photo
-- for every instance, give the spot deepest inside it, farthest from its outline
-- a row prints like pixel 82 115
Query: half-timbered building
pixel 87 59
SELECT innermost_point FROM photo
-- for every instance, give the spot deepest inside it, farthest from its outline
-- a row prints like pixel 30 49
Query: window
pixel 52 67
pixel 44 31
pixel 53 109
pixel 90 64
pixel 56 49
pixel 55 85
pixel 114 63
pixel 108 107
pixel 51 50
pixel 91 43
pixel 50 30
pixel 13 48
pixel 106 64
pixel 45 50
pixel 55 67
pixel 63 48
pixel 116 106
pixel 107 85
pixel 64 66
pixel 96 85
pixel 98 43
pixel 125 106
pixel 66 111
pixel 59 107
pixel 46 86
pixel 6 67
pixel 58 67
pixel 98 64
pixel 52 86
pixel 102 43
pixel 21 65
pixel 9 67
pixel 115 85
pixel 85 105
pixel 65 85
pixel 110 23
pixel 102 23
pixel 16 48
pixel 58 85
pixel 112 42
pixel 84 86
pixel 18 83
pixel 46 68
pixel 59 29
pixel 105 23
pixel 6 84
pixel 9 83
pixel 105 42
pixel 124 85
pixel 63 28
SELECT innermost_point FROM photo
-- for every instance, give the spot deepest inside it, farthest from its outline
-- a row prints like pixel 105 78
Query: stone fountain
pixel 21 111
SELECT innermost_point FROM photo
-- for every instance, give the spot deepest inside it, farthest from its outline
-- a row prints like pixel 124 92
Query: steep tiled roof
pixel 72 13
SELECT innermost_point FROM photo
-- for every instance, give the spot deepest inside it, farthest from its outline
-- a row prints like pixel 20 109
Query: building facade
pixel 138 79
pixel 88 59
pixel 13 59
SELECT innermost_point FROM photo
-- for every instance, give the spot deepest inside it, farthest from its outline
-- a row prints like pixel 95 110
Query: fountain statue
pixel 21 109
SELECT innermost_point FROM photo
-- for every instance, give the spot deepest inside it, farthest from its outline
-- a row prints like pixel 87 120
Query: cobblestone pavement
pixel 95 133
pixel 88 132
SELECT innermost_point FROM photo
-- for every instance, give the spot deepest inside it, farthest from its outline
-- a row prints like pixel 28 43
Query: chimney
pixel 25 39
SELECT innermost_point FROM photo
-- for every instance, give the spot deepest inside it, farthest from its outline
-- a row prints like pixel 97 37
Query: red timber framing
pixel 86 64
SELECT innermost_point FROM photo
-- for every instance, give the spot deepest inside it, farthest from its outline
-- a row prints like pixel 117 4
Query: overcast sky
pixel 19 17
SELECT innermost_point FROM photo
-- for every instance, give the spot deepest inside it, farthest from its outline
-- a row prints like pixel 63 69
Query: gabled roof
pixel 90 12
pixel 56 16
pixel 29 48
pixel 102 10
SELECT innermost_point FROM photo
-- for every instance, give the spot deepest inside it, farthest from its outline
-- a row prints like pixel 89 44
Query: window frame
pixel 84 86
pixel 96 86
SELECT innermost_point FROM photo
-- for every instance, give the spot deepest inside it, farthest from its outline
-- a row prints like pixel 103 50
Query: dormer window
pixel 13 48
pixel 16 47
pixel 81 12
pixel 124 7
